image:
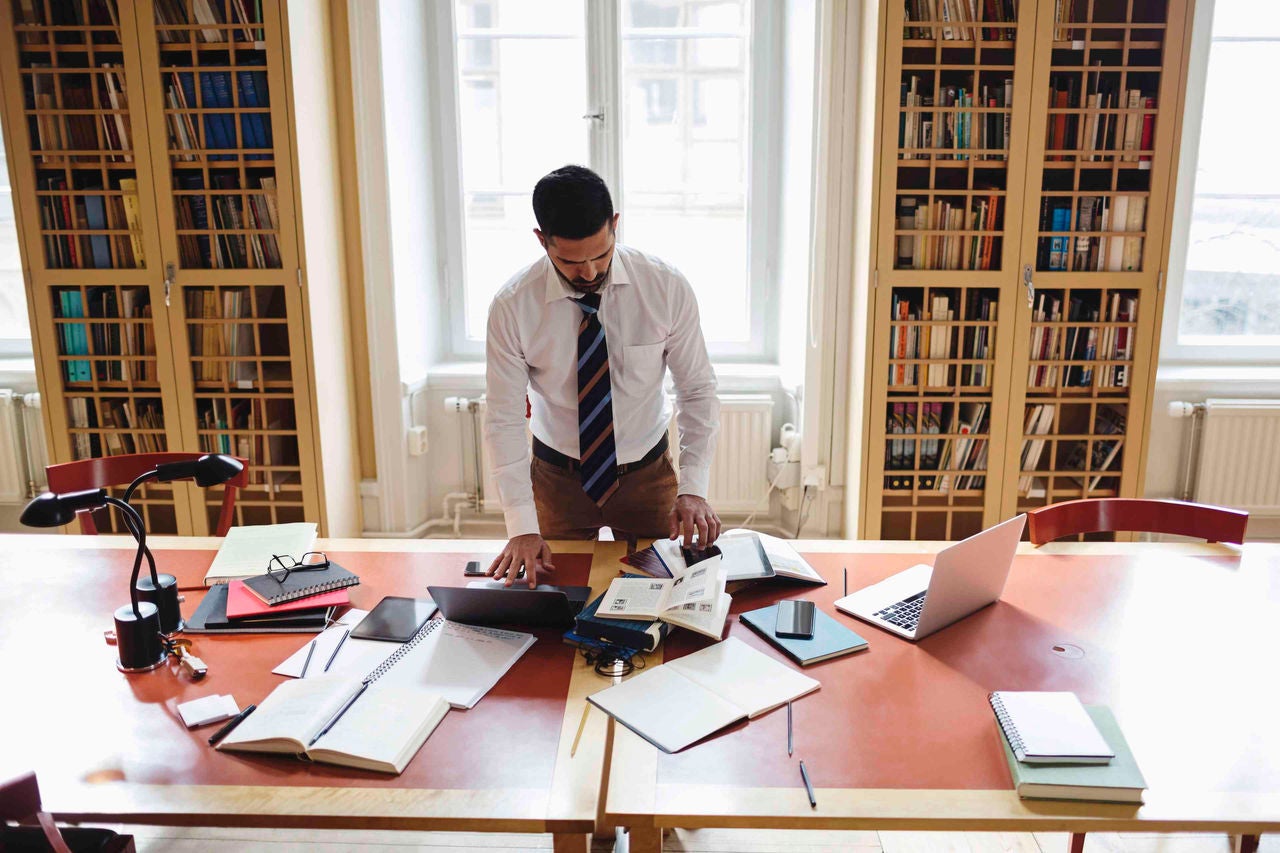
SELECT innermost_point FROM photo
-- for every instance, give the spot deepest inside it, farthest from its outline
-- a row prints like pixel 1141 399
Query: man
pixel 587 333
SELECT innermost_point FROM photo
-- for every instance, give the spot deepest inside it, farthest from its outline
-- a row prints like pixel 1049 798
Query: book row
pixel 227 340
pixel 940 342
pixel 1102 456
pixel 219 128
pixel 89 213
pixel 79 129
pixel 1082 11
pixel 108 339
pixel 251 429
pixel 1081 343
pixel 211 17
pixel 67 14
pixel 223 213
pixel 945 252
pixel 1113 120
pixel 961 19
pixel 126 426
pixel 955 131
pixel 968 452
pixel 1092 254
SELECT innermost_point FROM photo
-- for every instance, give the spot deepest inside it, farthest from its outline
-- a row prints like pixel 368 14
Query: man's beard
pixel 582 285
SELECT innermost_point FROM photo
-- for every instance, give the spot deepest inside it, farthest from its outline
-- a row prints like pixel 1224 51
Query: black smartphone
pixel 796 619
pixel 473 569
pixel 697 554
pixel 394 619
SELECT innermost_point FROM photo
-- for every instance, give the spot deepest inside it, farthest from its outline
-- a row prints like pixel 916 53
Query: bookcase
pixel 156 152
pixel 1025 160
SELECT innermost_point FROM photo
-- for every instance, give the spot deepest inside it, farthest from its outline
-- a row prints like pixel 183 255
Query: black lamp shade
pixel 211 469
pixel 50 510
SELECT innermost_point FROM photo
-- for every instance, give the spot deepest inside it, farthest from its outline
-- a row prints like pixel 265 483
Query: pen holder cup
pixel 165 598
pixel 138 641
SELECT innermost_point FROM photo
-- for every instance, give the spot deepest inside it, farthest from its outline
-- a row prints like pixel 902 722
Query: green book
pixel 1120 781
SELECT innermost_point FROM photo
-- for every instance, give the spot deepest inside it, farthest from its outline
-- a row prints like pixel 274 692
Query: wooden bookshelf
pixel 1021 222
pixel 155 160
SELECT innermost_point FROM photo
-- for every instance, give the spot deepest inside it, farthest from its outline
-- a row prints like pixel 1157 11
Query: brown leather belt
pixel 554 457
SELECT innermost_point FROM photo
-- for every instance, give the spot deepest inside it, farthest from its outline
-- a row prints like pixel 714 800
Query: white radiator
pixel 1240 456
pixel 22 452
pixel 739 469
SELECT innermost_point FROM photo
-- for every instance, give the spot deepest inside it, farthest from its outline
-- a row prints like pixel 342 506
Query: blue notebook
pixel 830 638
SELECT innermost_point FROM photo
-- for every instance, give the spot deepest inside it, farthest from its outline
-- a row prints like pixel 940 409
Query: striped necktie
pixel 598 456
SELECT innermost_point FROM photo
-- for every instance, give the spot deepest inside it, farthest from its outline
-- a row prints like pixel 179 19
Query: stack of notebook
pixel 305 601
pixel 1058 749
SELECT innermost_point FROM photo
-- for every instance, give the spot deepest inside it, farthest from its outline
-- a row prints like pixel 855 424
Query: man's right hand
pixel 530 551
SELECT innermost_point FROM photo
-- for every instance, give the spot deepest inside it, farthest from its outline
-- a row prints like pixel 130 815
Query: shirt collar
pixel 557 289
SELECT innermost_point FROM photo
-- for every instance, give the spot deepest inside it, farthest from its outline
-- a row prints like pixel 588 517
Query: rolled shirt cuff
pixel 521 520
pixel 694 481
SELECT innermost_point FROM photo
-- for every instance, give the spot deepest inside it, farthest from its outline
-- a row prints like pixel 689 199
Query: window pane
pixel 15 330
pixel 1231 286
pixel 685 86
pixel 522 93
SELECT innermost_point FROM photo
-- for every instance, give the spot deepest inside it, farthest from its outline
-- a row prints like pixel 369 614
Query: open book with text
pixel 693 599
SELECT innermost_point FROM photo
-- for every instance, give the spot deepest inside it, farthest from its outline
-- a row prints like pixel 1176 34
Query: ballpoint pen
pixel 804 774
pixel 306 663
pixel 334 719
pixel 337 649
pixel 788 728
pixel 846 580
pixel 231 724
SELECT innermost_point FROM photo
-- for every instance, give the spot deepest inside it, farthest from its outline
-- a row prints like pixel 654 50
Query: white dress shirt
pixel 650 319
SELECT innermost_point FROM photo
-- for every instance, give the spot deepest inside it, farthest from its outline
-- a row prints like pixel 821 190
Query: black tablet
pixel 395 619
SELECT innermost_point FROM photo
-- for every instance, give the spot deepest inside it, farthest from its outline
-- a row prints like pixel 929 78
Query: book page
pixel 700 582
pixel 384 729
pixel 750 680
pixel 245 551
pixel 356 657
pixel 293 712
pixel 629 598
pixel 786 561
pixel 665 708
pixel 704 617
pixel 459 662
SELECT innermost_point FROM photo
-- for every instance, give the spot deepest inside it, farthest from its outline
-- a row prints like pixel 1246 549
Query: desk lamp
pixel 212 469
pixel 138 638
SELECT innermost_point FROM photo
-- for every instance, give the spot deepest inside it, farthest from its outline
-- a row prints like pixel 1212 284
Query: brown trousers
pixel 640 507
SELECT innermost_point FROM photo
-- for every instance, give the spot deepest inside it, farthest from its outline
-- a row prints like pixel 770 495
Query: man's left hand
pixel 692 514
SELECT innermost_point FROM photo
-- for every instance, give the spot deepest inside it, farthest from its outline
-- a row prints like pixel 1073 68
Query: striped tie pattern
pixel 599 457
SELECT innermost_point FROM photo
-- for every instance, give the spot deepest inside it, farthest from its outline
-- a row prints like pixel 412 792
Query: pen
pixel 804 774
pixel 846 580
pixel 363 687
pixel 788 728
pixel 581 725
pixel 336 649
pixel 306 663
pixel 231 724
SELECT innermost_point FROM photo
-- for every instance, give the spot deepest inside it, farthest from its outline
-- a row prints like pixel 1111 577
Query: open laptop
pixel 492 603
pixel 964 577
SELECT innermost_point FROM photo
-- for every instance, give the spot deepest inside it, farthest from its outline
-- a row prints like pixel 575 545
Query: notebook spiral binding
pixel 1006 723
pixel 406 647
pixel 307 591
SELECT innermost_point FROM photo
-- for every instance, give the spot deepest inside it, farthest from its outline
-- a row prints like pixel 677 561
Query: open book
pixel 748 555
pixel 683 701
pixel 246 551
pixel 382 730
pixel 693 599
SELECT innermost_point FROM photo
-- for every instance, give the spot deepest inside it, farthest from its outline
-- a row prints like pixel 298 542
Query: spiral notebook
pixel 300 584
pixel 1049 728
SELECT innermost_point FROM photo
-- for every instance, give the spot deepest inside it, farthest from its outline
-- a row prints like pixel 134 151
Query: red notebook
pixel 241 602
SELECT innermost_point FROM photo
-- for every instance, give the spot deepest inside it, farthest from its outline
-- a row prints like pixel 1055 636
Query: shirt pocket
pixel 642 363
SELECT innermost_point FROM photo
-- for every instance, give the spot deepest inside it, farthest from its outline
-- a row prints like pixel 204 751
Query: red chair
pixel 20 801
pixel 123 470
pixel 1108 515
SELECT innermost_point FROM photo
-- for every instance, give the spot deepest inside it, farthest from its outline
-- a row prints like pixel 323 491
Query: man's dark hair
pixel 572 202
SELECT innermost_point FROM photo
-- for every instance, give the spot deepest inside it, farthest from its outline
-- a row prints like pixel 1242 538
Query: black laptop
pixel 544 606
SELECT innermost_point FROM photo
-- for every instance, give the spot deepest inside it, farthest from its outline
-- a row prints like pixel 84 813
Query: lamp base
pixel 165 598
pixel 138 639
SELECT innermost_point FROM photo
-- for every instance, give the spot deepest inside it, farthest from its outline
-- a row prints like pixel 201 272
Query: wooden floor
pixel 154 839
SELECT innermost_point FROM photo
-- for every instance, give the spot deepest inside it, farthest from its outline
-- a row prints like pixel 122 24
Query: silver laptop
pixel 964 577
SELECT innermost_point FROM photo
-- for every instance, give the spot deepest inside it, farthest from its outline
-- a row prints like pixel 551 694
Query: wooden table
pixel 111 748
pixel 1178 640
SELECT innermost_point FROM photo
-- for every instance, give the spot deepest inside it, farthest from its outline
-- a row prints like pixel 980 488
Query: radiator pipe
pixel 1190 442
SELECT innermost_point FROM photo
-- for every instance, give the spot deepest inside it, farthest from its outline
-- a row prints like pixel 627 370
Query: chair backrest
pixel 20 800
pixel 1107 515
pixel 123 470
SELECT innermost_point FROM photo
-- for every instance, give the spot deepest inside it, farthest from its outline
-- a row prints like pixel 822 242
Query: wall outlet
pixel 417 440
pixel 815 476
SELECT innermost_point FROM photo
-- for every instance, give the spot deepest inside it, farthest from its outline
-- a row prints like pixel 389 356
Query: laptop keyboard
pixel 905 613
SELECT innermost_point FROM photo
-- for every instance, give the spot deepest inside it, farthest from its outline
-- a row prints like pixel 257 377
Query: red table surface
pixel 68 713
pixel 1176 646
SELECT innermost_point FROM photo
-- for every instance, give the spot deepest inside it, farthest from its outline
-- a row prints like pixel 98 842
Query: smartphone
pixel 697 553
pixel 796 619
pixel 394 619
pixel 473 569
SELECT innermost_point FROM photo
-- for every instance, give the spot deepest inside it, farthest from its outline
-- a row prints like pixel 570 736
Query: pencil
pixel 306 663
pixel 846 580
pixel 337 649
pixel 788 728
pixel 804 774
pixel 586 708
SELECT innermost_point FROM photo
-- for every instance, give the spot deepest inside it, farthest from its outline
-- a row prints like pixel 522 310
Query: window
pixel 1227 295
pixel 15 329
pixel 655 95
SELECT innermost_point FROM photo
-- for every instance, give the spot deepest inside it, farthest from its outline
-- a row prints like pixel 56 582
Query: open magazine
pixel 693 599
pixel 748 555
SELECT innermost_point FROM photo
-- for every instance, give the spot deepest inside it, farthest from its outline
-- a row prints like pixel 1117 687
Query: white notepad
pixel 460 662
pixel 245 551
pixel 681 702
pixel 1049 728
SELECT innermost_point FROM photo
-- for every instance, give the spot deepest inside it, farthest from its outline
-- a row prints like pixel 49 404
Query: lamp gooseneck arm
pixel 137 531
pixel 133 487
pixel 132 516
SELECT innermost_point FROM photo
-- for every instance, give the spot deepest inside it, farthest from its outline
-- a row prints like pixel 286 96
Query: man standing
pixel 587 332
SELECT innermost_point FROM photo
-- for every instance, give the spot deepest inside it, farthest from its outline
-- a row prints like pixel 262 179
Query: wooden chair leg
pixel 1077 842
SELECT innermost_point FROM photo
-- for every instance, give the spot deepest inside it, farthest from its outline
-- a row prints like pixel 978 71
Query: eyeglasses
pixel 280 566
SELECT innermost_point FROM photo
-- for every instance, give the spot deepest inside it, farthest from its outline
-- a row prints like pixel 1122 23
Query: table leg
pixel 1247 843
pixel 570 842
pixel 644 839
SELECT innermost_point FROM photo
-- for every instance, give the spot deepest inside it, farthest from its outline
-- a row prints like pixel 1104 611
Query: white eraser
pixel 208 709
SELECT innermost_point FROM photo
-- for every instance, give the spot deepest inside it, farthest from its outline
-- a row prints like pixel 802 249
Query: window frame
pixel 21 347
pixel 604 93
pixel 1210 352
